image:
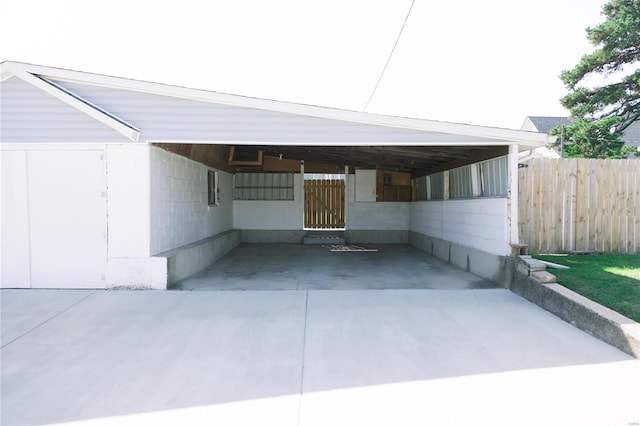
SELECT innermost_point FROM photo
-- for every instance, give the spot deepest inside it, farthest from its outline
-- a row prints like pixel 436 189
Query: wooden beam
pixel 487 154
pixel 233 162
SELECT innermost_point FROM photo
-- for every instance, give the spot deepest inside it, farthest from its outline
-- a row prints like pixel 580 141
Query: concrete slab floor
pixel 363 357
pixel 315 267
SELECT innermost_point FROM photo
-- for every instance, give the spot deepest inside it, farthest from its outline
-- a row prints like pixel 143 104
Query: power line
pixel 390 55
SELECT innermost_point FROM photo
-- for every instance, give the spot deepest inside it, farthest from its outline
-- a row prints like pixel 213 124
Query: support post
pixel 512 197
pixel 346 197
pixel 302 200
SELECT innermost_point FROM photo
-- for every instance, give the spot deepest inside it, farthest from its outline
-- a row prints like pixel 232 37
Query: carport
pixel 165 180
pixel 170 173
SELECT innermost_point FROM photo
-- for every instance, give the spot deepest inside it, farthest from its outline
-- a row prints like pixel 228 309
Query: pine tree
pixel 603 112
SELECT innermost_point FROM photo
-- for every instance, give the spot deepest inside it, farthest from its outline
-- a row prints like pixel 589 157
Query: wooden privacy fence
pixel 580 205
pixel 324 204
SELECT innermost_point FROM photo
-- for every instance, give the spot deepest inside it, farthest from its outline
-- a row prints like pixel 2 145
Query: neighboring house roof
pixel 543 124
pixel 133 110
pixel 631 134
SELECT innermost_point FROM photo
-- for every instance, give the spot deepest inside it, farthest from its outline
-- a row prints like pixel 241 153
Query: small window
pixel 212 188
pixel 264 186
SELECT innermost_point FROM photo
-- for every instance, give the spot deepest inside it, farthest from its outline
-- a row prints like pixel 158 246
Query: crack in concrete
pixel 48 320
pixel 304 347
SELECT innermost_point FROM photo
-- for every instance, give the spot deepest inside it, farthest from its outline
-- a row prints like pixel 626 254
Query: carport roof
pixel 164 114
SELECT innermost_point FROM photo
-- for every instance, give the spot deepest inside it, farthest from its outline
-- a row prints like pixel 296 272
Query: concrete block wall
pixel 377 236
pixel 180 214
pixel 282 221
pixel 268 236
pixel 479 223
pixel 487 265
pixel 267 216
pixel 372 215
pixel 378 216
pixel 175 265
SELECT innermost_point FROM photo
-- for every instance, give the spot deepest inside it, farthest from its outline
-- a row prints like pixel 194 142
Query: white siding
pixel 631 135
pixel 180 214
pixel 31 115
pixel 168 118
pixel 478 223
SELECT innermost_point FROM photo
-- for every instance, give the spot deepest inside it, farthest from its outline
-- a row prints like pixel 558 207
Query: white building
pixel 110 182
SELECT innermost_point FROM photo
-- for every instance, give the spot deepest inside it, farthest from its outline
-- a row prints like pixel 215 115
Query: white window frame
pixel 213 190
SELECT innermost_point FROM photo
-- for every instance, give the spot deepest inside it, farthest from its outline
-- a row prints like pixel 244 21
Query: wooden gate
pixel 324 204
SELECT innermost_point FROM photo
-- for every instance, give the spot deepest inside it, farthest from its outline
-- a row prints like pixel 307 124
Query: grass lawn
pixel 611 280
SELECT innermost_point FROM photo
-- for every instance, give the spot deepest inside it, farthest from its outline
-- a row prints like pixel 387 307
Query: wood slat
pixel 324 204
pixel 579 204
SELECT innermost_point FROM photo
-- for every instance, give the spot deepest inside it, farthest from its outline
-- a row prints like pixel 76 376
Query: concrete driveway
pixel 307 357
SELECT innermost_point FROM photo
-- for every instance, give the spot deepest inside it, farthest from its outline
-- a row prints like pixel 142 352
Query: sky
pixel 489 62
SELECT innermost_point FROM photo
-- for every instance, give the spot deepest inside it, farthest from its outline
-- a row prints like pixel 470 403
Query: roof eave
pixel 486 135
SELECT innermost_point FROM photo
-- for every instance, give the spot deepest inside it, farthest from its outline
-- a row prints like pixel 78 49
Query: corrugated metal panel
pixel 460 185
pixel 494 177
pixel 31 115
pixel 163 118
pixel 421 189
pixel 436 186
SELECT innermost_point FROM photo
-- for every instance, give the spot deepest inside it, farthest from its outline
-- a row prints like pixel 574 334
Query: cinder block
pixel 459 256
pixel 442 249
pixel 543 277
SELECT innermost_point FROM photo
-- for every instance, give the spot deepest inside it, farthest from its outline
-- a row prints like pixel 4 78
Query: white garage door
pixel 67 218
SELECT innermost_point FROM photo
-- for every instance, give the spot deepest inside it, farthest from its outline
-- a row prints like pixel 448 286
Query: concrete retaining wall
pixel 376 236
pixel 356 236
pixel 597 320
pixel 487 265
pixel 187 260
